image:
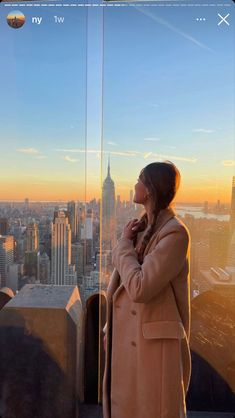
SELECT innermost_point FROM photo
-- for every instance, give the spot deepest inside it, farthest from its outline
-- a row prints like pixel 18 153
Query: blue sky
pixel 168 92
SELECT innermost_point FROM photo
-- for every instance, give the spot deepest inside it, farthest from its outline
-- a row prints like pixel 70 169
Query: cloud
pixel 39 184
pixel 175 157
pixel 69 159
pixel 228 163
pixel 98 152
pixel 152 139
pixel 147 154
pixel 154 105
pixel 141 105
pixel 126 154
pixel 204 131
pixel 28 151
pixel 73 150
pixel 111 143
pixel 33 152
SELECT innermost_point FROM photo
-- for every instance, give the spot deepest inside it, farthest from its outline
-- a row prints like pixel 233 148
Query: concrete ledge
pixel 51 317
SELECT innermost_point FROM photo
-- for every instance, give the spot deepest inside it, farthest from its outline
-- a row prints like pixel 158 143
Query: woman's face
pixel 140 192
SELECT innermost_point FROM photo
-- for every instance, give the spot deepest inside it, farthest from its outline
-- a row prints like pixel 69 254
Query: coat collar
pixel 164 216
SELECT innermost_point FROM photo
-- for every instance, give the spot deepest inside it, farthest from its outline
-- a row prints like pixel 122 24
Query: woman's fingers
pixel 134 228
pixel 132 221
pixel 128 231
pixel 135 224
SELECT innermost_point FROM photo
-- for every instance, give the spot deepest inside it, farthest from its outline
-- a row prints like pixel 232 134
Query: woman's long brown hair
pixel 162 179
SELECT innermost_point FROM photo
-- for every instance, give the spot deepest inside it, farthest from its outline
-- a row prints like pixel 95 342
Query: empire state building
pixel 108 213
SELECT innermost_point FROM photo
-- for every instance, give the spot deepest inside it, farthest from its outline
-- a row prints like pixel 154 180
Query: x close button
pixel 223 19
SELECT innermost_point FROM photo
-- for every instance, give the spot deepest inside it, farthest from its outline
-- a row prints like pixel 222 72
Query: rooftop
pixel 42 296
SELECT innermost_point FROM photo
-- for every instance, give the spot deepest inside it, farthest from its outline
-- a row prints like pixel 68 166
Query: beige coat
pixel 148 364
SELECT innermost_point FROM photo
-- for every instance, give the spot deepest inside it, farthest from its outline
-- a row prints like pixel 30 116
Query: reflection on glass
pixel 161 102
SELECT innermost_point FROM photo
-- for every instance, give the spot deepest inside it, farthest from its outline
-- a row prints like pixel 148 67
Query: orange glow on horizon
pixel 76 191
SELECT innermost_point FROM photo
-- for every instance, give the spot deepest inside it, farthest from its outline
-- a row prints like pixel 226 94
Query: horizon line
pixel 83 201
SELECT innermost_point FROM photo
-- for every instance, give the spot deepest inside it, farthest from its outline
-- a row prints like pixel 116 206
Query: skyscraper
pixel 81 215
pixel 30 264
pixel 108 212
pixel 87 237
pixel 87 227
pixel 43 267
pixel 61 270
pixel 6 257
pixel 3 226
pixel 73 219
pixel 32 237
pixel 78 259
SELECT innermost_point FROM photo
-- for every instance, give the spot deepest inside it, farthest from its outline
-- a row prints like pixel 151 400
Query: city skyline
pixel 176 201
pixel 54 236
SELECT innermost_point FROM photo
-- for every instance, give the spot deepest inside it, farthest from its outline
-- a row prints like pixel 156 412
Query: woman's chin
pixel 138 202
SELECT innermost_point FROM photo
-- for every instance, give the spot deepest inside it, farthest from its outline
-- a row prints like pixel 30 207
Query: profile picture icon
pixel 15 19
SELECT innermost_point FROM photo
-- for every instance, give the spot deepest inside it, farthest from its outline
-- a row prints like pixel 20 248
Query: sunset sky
pixel 168 93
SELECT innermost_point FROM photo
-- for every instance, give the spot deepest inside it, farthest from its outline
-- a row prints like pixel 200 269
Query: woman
pixel 148 364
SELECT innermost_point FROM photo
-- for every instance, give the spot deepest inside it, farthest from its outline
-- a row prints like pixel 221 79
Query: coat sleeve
pixel 162 264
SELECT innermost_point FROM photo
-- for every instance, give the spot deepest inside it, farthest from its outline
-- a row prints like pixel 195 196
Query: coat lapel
pixel 114 283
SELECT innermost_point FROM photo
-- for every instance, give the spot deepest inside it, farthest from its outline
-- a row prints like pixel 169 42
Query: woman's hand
pixel 130 229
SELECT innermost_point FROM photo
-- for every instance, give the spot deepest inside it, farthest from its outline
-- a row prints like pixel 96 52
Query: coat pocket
pixel 163 329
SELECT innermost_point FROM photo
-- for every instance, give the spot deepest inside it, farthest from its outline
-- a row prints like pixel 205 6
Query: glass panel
pixel 169 95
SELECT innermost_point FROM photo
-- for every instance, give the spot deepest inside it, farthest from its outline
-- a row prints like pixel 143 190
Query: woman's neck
pixel 149 212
